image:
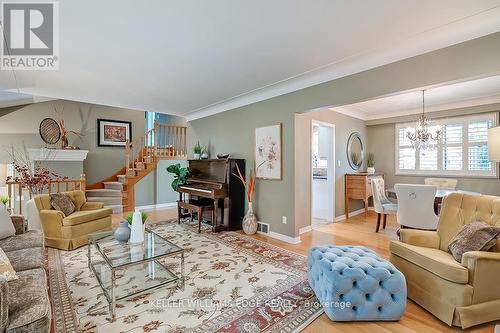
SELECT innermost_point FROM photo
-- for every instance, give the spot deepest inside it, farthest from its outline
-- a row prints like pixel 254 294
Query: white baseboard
pixel 278 236
pixel 305 229
pixel 354 213
pixel 162 205
pixel 284 238
pixel 272 234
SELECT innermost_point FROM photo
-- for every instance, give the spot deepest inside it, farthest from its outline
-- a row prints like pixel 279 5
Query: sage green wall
pixel 381 141
pixel 232 131
pixel 155 189
pixel 20 124
pixel 164 192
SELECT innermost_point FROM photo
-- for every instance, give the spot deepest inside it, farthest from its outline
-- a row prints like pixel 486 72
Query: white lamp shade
pixel 494 144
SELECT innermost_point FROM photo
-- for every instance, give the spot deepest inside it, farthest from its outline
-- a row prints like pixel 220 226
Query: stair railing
pixel 162 141
pixel 19 193
pixel 170 140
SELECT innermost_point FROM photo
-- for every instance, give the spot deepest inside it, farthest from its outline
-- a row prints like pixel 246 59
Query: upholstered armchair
pixel 460 294
pixel 70 232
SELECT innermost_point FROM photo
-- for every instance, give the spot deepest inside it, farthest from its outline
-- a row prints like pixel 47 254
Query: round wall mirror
pixel 355 151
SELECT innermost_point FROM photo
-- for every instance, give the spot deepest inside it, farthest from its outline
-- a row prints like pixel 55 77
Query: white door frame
pixel 322 123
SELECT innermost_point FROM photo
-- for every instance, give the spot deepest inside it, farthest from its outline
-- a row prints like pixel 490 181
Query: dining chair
pixel 416 206
pixel 442 183
pixel 382 205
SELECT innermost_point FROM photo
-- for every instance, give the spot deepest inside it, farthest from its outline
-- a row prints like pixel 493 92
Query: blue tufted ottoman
pixel 353 283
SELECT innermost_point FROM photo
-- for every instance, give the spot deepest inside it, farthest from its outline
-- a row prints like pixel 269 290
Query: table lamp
pixel 494 144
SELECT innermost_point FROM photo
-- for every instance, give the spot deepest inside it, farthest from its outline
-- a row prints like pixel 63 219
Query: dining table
pixel 438 199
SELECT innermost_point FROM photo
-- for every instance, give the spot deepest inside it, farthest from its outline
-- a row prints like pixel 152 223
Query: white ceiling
pixel 196 58
pixel 458 95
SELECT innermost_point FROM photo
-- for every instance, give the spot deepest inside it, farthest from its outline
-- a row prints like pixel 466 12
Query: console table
pixel 358 186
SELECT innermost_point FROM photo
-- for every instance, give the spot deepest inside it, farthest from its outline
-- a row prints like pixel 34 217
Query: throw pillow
pixel 6 226
pixel 475 236
pixel 6 270
pixel 63 203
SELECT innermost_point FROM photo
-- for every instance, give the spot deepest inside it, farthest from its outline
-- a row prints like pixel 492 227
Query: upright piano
pixel 214 179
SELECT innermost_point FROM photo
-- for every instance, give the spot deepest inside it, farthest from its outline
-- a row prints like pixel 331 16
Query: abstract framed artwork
pixel 113 133
pixel 268 152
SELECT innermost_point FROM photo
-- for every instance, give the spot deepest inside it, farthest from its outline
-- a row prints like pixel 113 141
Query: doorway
pixel 323 173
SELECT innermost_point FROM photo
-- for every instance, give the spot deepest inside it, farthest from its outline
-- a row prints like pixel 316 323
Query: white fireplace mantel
pixel 44 154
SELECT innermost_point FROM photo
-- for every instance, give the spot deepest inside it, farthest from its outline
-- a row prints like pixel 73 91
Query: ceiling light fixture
pixel 422 138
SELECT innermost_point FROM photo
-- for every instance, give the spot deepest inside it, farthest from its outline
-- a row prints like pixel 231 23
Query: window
pixel 150 123
pixel 461 151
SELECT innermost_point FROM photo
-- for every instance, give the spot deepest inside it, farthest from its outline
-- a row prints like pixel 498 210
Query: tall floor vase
pixel 249 221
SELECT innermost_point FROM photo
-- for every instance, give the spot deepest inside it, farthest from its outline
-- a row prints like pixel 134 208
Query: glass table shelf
pixel 115 263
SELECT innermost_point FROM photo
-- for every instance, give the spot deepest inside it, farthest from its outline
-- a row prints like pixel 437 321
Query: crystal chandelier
pixel 422 138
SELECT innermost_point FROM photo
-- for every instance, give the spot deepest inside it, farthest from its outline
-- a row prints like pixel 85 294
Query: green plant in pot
pixel 180 175
pixel 197 149
pixel 370 163
pixel 129 216
pixel 4 200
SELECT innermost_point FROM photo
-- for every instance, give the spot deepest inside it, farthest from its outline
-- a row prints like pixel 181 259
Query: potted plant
pixel 197 151
pixel 180 175
pixel 249 223
pixel 130 216
pixel 370 163
pixel 3 202
pixel 130 219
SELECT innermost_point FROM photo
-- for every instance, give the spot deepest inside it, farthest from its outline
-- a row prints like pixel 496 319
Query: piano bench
pixel 197 206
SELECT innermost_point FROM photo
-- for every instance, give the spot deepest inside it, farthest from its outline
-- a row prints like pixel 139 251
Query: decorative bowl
pixel 222 156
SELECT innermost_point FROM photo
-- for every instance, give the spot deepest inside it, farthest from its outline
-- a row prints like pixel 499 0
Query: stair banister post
pixel 155 138
pixel 127 152
pixel 83 183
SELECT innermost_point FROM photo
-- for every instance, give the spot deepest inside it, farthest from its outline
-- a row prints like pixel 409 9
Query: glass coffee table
pixel 117 264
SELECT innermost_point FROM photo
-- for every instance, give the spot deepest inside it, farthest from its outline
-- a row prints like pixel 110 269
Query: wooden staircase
pixel 162 142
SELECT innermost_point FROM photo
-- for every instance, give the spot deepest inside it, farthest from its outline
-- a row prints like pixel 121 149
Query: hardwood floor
pixel 354 231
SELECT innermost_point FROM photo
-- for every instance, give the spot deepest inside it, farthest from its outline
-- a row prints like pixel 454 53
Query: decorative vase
pixel 370 170
pixel 137 230
pixel 196 156
pixel 249 221
pixel 122 234
pixel 64 142
pixel 204 156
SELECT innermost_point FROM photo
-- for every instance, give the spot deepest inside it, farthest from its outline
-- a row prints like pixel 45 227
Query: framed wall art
pixel 268 152
pixel 113 133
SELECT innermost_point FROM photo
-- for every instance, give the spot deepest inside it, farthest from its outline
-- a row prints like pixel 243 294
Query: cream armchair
pixel 70 232
pixel 461 294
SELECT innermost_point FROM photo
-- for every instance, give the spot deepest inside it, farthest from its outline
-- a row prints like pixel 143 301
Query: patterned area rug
pixel 234 283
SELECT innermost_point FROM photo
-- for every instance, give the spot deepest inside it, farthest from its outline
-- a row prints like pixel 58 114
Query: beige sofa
pixel 24 302
pixel 461 294
pixel 70 232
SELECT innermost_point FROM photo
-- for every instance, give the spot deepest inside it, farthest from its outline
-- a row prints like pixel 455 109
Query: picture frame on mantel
pixel 268 152
pixel 113 133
